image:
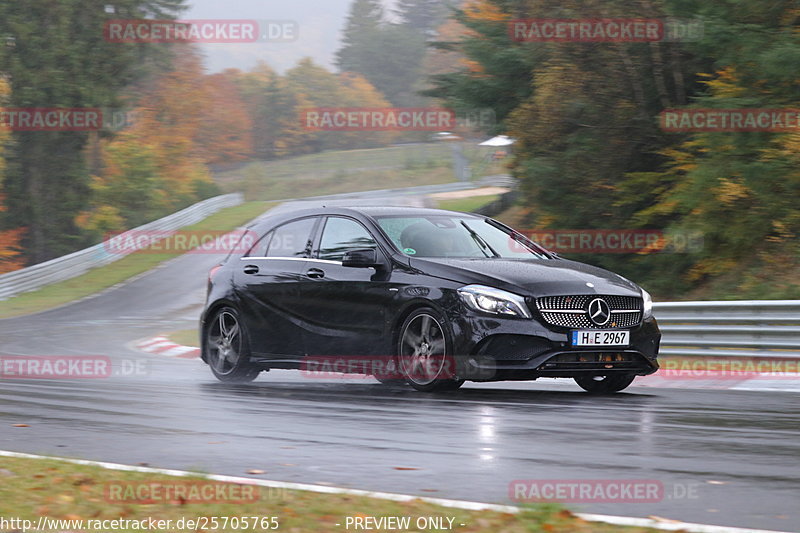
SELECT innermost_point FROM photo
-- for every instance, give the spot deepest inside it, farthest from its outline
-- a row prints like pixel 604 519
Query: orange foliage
pixel 225 133
pixel 10 250
pixel 444 61
pixel 169 120
pixel 485 11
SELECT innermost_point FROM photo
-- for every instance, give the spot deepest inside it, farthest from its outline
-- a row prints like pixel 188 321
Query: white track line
pixel 671 525
pixel 163 346
pixel 153 341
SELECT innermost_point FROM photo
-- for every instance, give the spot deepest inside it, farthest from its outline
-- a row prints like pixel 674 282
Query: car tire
pixel 604 384
pixel 226 348
pixel 390 375
pixel 423 352
pixel 389 381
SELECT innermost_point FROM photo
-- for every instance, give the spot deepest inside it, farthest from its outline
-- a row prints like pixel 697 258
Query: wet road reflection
pixel 469 444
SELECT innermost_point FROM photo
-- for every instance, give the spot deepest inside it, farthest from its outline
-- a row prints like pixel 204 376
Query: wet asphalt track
pixel 736 453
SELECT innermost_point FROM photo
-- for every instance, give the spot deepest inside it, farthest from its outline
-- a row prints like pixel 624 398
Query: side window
pixel 340 235
pixel 292 239
pixel 259 249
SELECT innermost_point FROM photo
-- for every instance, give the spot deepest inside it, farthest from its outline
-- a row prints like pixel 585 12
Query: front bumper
pixel 499 348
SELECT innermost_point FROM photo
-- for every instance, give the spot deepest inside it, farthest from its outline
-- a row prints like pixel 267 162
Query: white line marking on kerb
pixel 456 504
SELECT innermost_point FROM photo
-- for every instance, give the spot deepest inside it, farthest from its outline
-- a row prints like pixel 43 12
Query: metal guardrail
pixel 752 328
pixel 72 265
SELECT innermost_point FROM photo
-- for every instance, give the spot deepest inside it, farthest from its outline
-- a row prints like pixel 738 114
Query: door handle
pixel 315 273
pixel 251 269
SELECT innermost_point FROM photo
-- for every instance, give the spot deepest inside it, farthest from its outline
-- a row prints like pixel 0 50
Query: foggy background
pixel 320 21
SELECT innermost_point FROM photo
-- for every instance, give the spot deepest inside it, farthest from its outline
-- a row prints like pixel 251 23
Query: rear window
pixel 292 239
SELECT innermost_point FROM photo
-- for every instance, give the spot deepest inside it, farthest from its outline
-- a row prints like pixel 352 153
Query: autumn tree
pixel 54 55
pixel 10 232
pixel 275 110
pixel 225 133
pixel 158 164
pixel 320 88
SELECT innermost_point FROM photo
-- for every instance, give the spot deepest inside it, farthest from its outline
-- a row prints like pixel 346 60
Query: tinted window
pixel 292 239
pixel 340 235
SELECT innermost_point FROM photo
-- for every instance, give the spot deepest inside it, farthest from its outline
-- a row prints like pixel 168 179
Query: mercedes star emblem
pixel 599 312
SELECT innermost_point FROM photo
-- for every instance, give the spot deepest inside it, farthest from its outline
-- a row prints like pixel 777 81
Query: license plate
pixel 600 338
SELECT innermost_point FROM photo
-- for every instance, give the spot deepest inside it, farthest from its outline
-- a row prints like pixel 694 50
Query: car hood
pixel 537 277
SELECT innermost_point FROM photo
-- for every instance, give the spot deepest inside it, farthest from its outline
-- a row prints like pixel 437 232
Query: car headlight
pixel 494 301
pixel 648 305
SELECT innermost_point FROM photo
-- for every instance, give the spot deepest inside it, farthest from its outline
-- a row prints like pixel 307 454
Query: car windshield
pixel 455 237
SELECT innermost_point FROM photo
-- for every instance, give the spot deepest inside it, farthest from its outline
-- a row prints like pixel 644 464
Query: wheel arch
pixel 210 311
pixel 409 308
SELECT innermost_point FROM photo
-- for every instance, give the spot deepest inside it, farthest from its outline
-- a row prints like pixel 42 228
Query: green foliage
pixel 422 16
pixel 591 154
pixel 389 55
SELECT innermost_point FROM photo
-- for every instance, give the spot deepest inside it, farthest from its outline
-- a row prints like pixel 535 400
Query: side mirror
pixel 362 258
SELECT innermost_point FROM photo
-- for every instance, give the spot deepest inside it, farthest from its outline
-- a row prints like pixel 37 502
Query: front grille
pixel 571 311
pixel 595 361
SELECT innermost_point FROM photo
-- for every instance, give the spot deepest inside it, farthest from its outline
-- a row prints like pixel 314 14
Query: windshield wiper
pixel 535 248
pixel 481 241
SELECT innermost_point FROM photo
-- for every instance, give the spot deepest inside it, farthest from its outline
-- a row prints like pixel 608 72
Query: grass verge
pixel 353 171
pixel 184 337
pixel 64 491
pixel 132 265
pixel 468 204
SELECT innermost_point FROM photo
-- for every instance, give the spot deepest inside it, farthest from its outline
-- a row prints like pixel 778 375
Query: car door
pixel 267 281
pixel 344 309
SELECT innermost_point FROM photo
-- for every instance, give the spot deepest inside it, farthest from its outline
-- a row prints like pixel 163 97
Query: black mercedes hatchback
pixel 427 297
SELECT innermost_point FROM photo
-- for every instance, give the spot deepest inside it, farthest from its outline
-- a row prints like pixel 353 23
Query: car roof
pixel 376 211
pixel 368 211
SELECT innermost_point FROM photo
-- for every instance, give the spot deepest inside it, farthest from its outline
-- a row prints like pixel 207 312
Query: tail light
pixel 212 273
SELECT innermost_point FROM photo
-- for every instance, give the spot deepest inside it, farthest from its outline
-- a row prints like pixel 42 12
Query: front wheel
pixel 604 384
pixel 227 351
pixel 389 374
pixel 423 353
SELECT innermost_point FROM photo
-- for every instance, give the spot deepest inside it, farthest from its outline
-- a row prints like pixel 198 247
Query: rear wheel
pixel 604 384
pixel 227 351
pixel 423 355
